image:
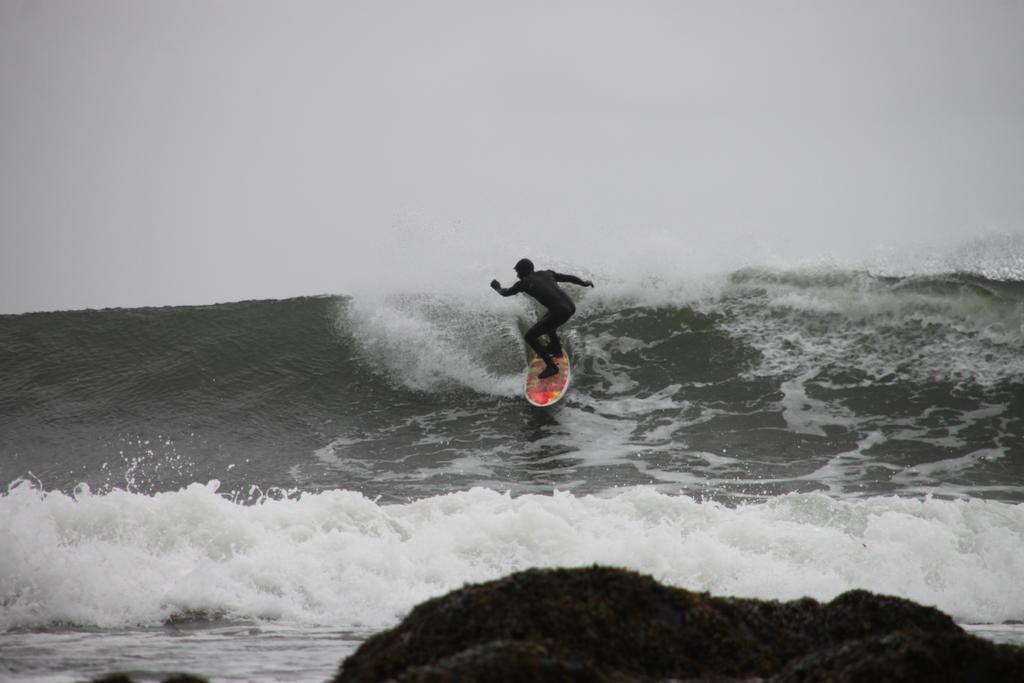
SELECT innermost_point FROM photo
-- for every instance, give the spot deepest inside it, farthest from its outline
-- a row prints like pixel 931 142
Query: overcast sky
pixel 169 152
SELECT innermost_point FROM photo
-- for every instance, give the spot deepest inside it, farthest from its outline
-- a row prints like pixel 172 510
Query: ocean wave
pixel 952 326
pixel 810 380
pixel 337 557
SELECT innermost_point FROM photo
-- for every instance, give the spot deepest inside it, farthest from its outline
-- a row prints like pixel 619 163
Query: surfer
pixel 542 285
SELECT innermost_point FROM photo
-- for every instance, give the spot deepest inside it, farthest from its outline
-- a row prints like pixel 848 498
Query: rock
pixel 507 661
pixel 910 656
pixel 602 624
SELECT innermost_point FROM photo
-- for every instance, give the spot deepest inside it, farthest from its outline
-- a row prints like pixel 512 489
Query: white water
pixel 340 560
pixel 800 320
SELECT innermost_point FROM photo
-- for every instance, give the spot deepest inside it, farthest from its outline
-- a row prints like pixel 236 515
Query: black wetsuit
pixel 542 285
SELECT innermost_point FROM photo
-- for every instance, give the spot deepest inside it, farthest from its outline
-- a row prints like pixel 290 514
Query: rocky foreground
pixel 609 625
pixel 601 624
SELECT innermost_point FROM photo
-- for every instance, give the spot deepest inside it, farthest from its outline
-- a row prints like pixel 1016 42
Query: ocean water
pixel 246 491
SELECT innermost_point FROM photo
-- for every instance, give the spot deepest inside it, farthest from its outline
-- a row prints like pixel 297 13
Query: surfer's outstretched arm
pixel 572 279
pixel 507 291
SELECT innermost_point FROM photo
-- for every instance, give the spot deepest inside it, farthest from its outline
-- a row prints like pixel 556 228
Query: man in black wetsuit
pixel 542 285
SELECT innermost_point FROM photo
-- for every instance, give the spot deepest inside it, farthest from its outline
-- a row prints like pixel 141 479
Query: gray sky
pixel 190 152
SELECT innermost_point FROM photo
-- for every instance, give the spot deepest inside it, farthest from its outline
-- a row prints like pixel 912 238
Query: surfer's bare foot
pixel 549 371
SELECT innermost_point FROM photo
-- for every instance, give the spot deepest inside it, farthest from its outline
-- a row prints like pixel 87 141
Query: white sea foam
pixel 431 343
pixel 803 322
pixel 337 558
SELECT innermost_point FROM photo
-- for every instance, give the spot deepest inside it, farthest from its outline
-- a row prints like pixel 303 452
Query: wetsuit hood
pixel 524 267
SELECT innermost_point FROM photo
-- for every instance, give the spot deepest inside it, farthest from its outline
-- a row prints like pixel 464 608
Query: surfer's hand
pixel 588 283
pixel 495 284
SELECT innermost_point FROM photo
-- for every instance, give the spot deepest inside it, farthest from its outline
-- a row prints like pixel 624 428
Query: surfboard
pixel 548 391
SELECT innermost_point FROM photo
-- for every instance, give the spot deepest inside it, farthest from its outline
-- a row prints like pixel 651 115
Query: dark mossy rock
pixel 908 656
pixel 508 661
pixel 603 624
